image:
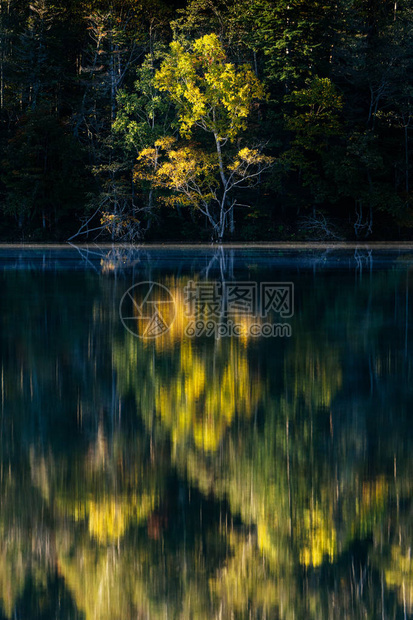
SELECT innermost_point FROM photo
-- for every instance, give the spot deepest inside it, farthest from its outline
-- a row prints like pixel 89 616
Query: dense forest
pixel 208 119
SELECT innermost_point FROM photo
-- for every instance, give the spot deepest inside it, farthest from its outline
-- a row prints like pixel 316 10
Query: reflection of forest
pixel 200 479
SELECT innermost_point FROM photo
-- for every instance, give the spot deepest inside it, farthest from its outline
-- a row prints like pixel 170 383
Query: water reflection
pixel 202 478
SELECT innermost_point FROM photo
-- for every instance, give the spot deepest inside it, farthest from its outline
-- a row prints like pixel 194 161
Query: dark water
pixel 178 477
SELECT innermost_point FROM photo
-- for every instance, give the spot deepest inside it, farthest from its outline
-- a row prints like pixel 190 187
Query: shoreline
pixel 276 245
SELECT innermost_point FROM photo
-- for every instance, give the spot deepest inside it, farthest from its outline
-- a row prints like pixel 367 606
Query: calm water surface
pixel 178 477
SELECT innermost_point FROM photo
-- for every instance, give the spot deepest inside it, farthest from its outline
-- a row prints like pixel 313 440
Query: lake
pixel 206 433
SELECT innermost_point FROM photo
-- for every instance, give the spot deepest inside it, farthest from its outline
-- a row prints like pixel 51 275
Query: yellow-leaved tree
pixel 214 97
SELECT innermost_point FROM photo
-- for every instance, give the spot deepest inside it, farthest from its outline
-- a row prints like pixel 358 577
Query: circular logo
pixel 147 310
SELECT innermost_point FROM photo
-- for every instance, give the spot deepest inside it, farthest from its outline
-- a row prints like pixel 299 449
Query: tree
pixel 43 171
pixel 143 117
pixel 293 40
pixel 213 99
pixel 313 121
pixel 119 34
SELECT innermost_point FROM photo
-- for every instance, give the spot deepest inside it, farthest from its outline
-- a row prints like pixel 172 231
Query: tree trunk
pixel 231 221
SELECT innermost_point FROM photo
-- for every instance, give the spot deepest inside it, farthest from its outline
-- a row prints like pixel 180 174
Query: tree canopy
pixel 322 88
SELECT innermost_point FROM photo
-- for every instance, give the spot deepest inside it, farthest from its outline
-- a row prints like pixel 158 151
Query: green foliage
pixel 313 121
pixel 294 38
pixel 209 92
pixel 143 115
pixel 325 86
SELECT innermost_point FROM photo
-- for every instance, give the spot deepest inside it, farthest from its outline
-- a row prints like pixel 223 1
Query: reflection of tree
pixel 99 504
pixel 204 395
pixel 314 372
pixel 105 582
pixel 246 583
pixel 194 478
pixel 194 389
pixel 27 540
pixel 292 480
pixel 399 575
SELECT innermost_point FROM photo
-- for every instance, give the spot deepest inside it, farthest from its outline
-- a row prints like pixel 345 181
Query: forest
pixel 200 120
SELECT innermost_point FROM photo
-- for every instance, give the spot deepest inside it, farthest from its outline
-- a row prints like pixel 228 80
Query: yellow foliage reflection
pixel 109 517
pixel 245 584
pixel 195 386
pixel 318 538
pixel 13 570
pixel 202 397
pixel 399 575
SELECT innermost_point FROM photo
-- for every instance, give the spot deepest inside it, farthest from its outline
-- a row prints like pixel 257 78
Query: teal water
pixel 200 477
